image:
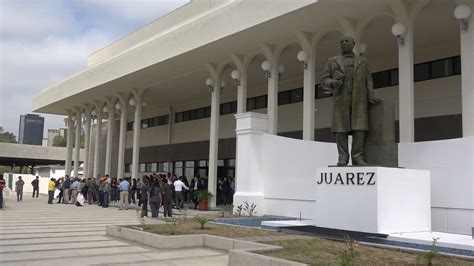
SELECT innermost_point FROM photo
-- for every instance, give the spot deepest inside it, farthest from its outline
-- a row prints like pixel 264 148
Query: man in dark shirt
pixel 167 198
pixel 35 184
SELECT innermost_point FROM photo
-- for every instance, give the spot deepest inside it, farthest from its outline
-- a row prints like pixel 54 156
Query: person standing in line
pixel 195 188
pixel 105 193
pixel 90 190
pixel 101 190
pixel 124 186
pixel 51 188
pixel 35 184
pixel 19 189
pixel 144 196
pixel 58 186
pixel 155 198
pixel 74 190
pixel 2 186
pixel 133 190
pixel 167 198
pixel 178 188
pixel 66 185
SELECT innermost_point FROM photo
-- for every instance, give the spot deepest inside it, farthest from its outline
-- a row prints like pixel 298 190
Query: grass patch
pixel 318 251
pixel 190 226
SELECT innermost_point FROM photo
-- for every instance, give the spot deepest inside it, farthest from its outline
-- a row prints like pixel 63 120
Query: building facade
pixel 164 97
pixel 31 129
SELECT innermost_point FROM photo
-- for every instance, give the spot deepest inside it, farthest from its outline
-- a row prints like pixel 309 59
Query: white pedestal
pixel 373 199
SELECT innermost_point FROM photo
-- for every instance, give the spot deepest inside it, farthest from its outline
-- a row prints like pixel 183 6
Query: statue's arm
pixel 326 77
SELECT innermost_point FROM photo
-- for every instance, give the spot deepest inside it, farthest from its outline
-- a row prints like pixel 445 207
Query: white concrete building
pixel 173 76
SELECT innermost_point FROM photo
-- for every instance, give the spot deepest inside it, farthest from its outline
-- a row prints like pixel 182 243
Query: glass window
pixel 251 104
pixel 442 68
pixel 142 167
pixel 230 162
pixel 225 108
pixel 284 97
pixel 422 72
pixel 381 79
pixel 394 77
pixel 154 167
pixel 144 123
pixel 261 102
pixel 189 163
pixel 178 164
pixel 207 111
pixel 202 163
pixel 178 171
pixel 233 107
pixel 128 168
pixel 220 162
pixel 129 126
pixel 193 114
pixel 296 95
pixel 200 113
pixel 179 117
pixel 148 167
pixel 457 65
pixel 163 120
pixel 186 116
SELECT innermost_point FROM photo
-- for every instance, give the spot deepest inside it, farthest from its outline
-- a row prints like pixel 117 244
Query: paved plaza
pixel 35 233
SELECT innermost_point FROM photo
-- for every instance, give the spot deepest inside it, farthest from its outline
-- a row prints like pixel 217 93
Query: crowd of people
pixel 153 191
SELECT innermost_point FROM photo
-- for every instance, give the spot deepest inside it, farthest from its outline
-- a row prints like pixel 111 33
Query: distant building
pixel 31 129
pixel 52 133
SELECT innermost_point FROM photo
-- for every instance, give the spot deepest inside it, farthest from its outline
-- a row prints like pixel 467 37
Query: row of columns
pixel 87 112
pixel 308 43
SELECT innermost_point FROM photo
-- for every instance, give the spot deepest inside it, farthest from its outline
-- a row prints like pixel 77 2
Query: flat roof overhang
pixel 172 64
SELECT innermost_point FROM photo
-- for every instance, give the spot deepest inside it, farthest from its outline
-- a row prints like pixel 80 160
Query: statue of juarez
pixel 348 77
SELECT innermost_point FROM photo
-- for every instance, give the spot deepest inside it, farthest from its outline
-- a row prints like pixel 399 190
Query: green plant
pixel 349 254
pixel 433 252
pixel 204 195
pixel 201 220
pixel 250 208
pixel 238 210
pixel 171 222
pixel 227 208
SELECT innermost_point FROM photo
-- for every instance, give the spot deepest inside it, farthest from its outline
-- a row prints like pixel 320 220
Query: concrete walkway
pixel 35 233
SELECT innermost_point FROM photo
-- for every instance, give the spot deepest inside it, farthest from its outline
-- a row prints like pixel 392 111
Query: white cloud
pixel 43 42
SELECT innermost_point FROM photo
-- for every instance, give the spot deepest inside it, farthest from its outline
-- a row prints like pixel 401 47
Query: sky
pixel 45 41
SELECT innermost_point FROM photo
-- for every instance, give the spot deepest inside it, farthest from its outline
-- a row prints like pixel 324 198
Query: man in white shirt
pixel 178 188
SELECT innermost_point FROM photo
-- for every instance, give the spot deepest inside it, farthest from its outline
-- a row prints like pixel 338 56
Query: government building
pixel 165 98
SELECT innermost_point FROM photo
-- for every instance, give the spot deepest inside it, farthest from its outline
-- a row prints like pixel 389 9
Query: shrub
pixel 201 220
pixel 349 254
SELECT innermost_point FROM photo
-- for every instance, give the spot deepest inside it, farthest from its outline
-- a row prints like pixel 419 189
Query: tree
pixel 59 141
pixel 7 137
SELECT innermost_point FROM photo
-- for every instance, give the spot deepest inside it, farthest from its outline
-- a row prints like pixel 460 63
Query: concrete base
pixel 373 199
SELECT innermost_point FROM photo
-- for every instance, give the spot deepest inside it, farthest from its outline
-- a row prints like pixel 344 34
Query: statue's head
pixel 347 44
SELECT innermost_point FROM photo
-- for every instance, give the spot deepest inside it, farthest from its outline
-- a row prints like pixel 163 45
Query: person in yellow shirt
pixel 51 188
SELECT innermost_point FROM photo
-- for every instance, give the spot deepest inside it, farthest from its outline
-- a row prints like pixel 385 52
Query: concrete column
pixel 123 133
pixel 249 131
pixel 272 100
pixel 87 129
pixel 467 79
pixel 309 98
pixel 77 145
pixel 98 110
pixel 214 141
pixel 406 87
pixel 70 128
pixel 138 97
pixel 110 129
pixel 242 92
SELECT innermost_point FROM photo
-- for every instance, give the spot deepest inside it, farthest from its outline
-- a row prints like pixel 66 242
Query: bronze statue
pixel 348 77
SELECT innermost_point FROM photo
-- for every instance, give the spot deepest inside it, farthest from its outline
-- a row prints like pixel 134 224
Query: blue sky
pixel 45 41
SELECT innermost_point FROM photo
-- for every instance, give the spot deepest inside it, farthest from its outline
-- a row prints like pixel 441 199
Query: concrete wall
pixel 451 163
